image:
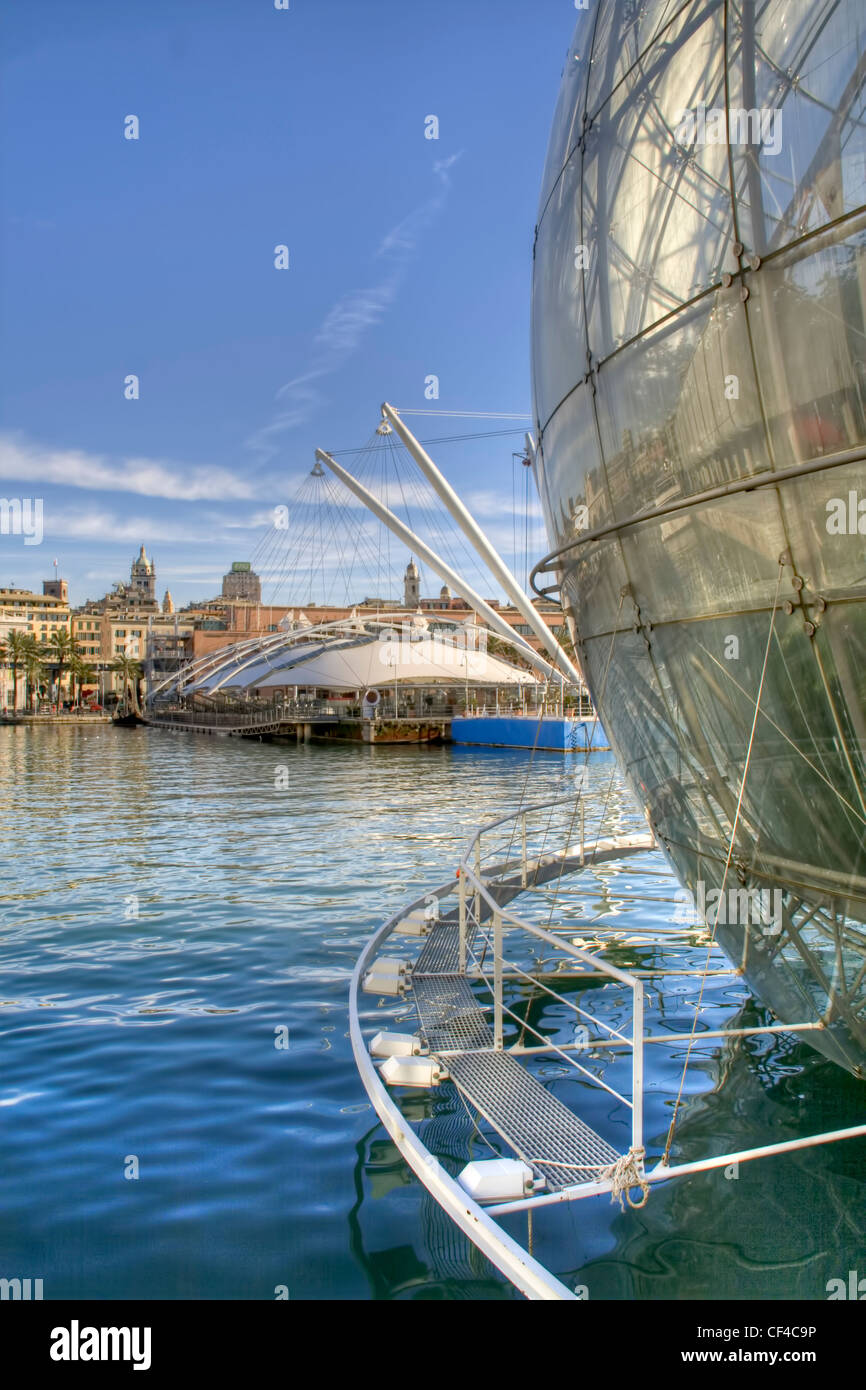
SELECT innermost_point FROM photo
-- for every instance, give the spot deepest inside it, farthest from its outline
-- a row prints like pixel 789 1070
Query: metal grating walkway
pixel 541 1130
pixel 440 954
pixel 449 1013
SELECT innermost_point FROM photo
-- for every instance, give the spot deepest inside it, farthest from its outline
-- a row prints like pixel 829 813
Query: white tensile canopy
pixel 351 655
pixel 426 662
pixel 341 660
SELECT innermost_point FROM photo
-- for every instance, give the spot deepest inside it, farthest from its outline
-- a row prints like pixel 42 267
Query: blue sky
pixel 408 257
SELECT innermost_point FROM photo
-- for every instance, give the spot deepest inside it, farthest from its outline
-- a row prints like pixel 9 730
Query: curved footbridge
pixel 457 959
pixel 460 1039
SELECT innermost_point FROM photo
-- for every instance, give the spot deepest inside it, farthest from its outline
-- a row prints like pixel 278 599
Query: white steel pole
pixel 450 576
pixel 474 534
pixel 497 982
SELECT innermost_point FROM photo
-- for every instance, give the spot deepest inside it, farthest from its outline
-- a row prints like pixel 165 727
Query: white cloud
pixel 494 504
pixel 346 322
pixel 106 527
pixel 34 463
pixel 196 527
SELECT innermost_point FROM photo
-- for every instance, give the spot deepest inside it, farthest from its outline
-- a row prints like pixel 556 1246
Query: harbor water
pixel 182 1117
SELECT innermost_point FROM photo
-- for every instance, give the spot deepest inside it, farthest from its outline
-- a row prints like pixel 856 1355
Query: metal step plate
pixel 539 1128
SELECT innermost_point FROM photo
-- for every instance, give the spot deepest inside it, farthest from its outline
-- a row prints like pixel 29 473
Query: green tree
pixel 16 652
pixel 34 670
pixel 81 673
pixel 131 672
pixel 58 654
pixel 563 637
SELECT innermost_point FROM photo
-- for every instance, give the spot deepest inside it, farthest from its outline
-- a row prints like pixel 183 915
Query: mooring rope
pixel 625 1174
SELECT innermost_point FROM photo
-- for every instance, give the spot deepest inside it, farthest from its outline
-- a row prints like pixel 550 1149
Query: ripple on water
pixel 168 918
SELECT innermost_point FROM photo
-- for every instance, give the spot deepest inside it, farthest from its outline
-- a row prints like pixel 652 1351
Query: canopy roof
pixel 350 655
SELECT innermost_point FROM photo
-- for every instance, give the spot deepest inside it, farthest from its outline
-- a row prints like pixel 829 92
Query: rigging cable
pixel 693 1031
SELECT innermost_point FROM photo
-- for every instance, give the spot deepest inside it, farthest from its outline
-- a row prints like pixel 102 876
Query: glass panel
pixel 679 411
pixel 656 204
pixel 806 310
pixel 567 119
pixel 602 58
pixel 559 336
pixel 573 473
pixel 634 28
pixel 800 71
pixel 715 699
pixel 840 643
pixel 592 590
pixel 720 557
pixel 825 521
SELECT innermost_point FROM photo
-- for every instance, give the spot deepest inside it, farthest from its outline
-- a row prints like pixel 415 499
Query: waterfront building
pixel 100 638
pixel 43 613
pixel 168 644
pixel 242 582
pixel 138 594
pixel 87 637
pixel 56 588
pixel 34 615
pixel 10 623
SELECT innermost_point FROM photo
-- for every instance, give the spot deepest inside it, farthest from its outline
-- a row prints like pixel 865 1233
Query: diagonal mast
pixel 450 576
pixel 474 534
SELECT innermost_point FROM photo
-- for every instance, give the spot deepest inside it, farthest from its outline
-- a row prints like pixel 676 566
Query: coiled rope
pixel 625 1174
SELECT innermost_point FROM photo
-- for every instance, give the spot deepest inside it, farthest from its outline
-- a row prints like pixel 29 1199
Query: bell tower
pixel 142 577
pixel 411 586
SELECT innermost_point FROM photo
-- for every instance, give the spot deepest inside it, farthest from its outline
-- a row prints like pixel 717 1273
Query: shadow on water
pixel 440 1262
pixel 778 1227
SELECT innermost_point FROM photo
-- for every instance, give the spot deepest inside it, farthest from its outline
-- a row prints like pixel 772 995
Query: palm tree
pixel 59 653
pixel 16 653
pixel 498 646
pixel 34 669
pixel 131 671
pixel 563 637
pixel 80 672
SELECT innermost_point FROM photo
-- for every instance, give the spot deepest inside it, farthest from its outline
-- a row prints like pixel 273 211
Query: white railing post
pixel 462 920
pixel 478 881
pixel 582 839
pixel 637 1068
pixel 523 850
pixel 497 981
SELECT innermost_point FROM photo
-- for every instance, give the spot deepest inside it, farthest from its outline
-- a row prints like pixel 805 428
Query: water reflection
pixel 155 1036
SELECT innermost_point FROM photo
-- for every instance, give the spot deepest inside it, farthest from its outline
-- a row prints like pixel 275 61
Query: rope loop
pixel 625 1174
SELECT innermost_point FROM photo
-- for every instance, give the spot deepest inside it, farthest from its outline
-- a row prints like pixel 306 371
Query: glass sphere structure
pixel 699 378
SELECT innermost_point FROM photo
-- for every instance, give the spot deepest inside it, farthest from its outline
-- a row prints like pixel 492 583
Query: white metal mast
pixel 423 551
pixel 474 534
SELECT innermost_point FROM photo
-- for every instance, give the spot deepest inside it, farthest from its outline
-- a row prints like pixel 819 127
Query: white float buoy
pixel 496 1179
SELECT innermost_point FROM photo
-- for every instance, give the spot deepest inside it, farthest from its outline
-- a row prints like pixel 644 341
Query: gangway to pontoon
pixel 451 957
